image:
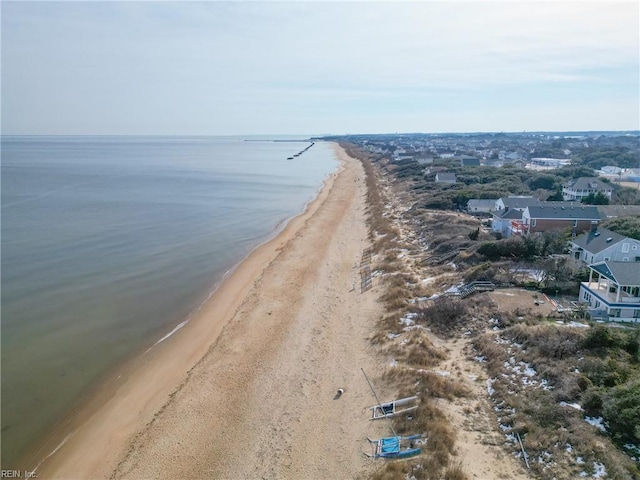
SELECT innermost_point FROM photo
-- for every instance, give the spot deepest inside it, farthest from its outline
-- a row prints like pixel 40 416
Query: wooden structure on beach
pixel 366 282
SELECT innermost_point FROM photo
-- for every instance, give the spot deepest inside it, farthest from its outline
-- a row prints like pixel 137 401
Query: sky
pixel 323 67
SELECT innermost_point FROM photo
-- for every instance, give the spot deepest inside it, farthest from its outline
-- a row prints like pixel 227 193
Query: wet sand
pixel 248 388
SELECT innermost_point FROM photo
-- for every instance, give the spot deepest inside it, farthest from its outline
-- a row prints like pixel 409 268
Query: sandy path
pixel 247 389
pixel 479 442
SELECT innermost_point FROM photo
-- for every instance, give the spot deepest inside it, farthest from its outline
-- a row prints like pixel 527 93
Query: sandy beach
pixel 248 388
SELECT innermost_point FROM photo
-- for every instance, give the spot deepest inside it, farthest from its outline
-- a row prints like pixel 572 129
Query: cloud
pixel 77 64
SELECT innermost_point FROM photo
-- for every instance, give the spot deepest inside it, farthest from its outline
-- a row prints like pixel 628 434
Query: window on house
pixel 533 222
pixel 625 259
pixel 625 248
pixel 575 223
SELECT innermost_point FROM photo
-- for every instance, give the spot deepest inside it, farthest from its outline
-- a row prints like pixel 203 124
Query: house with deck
pixel 577 189
pixel 613 291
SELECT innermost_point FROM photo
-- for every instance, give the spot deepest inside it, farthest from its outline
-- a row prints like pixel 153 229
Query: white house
pixel 613 291
pixel 577 189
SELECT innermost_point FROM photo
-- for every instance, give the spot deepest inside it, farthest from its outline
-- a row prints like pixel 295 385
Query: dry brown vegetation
pixel 558 442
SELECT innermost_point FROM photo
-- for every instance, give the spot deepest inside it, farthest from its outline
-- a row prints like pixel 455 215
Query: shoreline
pixel 107 421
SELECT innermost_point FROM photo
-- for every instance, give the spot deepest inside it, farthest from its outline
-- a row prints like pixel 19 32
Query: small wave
pixel 177 327
pixel 60 445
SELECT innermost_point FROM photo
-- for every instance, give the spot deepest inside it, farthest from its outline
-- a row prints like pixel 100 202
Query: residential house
pixel 507 221
pixel 516 202
pixel 547 217
pixel 602 244
pixel 614 211
pixel 577 189
pixel 613 291
pixel 507 214
pixel 547 163
pixel 468 161
pixel 476 205
pixel 446 177
pixel 424 159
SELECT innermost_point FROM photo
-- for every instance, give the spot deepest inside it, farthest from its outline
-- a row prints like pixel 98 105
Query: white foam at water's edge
pixel 176 328
pixel 60 445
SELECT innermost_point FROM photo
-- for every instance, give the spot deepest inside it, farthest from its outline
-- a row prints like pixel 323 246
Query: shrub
pixel 621 410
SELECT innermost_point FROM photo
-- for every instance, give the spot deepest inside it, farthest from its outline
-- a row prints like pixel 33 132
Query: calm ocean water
pixel 109 243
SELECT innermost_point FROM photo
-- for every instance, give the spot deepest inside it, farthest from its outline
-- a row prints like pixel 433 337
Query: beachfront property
pixel 599 245
pixel 504 220
pixel 613 291
pixel 555 216
pixel 577 189
pixel 507 214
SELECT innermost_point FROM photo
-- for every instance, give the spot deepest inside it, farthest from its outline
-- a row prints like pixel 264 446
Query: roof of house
pixel 599 240
pixel 446 176
pixel 587 212
pixel 586 183
pixel 509 214
pixel 469 161
pixel 482 202
pixel 619 210
pixel 519 202
pixel 623 273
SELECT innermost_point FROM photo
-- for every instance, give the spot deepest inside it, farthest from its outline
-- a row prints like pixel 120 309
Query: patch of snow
pixel 408 319
pixel 454 289
pixel 391 336
pixel 633 451
pixel 572 405
pixel 578 325
pixel 480 359
pixel 569 448
pixel 490 383
pixel 453 265
pixel 394 363
pixel 600 470
pixel 596 422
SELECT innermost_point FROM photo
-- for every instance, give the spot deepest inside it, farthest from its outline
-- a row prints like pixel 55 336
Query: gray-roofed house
pixel 446 177
pixel 613 291
pixel 505 220
pixel 613 211
pixel 469 161
pixel 602 244
pixel 577 189
pixel 477 205
pixel 516 202
pixel 544 218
